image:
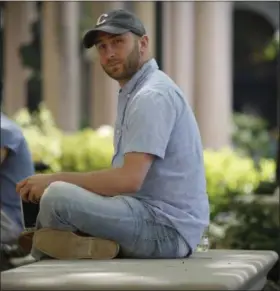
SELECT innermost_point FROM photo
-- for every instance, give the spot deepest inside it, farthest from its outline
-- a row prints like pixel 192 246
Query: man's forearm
pixel 110 182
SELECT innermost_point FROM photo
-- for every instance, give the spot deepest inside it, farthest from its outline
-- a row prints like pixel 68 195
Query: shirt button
pixel 128 95
pixel 118 131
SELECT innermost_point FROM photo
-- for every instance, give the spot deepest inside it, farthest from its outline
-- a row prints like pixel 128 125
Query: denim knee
pixel 54 194
pixel 53 203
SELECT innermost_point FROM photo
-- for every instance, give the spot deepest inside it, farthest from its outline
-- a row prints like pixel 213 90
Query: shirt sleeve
pixel 149 123
pixel 9 139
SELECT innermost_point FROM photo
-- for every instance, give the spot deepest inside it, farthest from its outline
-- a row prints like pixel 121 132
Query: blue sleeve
pixel 149 123
pixel 10 139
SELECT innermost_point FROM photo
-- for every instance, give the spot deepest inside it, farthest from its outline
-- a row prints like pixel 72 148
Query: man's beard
pixel 127 69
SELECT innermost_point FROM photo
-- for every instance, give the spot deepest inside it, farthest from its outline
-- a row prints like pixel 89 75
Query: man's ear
pixel 144 43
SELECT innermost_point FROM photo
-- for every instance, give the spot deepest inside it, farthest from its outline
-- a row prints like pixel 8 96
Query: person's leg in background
pixel 122 219
pixel 9 230
pixel 9 249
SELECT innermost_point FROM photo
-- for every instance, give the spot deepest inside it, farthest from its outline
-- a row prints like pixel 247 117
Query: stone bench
pixel 213 270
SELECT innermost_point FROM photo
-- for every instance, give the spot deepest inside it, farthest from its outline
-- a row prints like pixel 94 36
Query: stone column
pixel 178 45
pixel 147 13
pixel 16 33
pixel 213 72
pixel 61 67
pixel 51 71
pixel 104 90
pixel 70 64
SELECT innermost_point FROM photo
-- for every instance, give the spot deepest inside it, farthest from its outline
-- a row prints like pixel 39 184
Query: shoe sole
pixel 66 245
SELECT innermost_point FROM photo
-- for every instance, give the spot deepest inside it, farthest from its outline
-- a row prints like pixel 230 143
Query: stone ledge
pixel 213 270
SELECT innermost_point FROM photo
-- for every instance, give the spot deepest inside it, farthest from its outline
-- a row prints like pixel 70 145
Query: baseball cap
pixel 117 21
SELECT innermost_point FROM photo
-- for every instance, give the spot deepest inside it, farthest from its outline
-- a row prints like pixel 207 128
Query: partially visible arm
pixel 10 138
pixel 4 154
pixel 112 182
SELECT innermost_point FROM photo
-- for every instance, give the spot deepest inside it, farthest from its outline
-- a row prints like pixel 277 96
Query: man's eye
pixel 101 47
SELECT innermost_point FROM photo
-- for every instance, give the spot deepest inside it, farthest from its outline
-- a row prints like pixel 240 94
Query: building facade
pixel 193 42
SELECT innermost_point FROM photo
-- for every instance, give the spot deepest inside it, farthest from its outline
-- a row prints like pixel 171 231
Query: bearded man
pixel 153 202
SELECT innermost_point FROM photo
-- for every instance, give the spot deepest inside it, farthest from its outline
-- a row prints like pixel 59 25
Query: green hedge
pixel 86 150
pixel 229 175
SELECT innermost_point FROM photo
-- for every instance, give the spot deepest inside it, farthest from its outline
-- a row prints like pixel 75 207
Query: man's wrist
pixel 64 177
pixel 56 177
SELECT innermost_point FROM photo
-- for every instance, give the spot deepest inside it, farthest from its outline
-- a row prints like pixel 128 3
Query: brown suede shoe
pixel 66 245
pixel 25 241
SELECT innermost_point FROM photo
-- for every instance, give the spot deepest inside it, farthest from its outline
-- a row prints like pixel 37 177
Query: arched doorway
pixel 255 78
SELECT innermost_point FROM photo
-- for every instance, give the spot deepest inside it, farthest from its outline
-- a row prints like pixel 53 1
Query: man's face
pixel 120 55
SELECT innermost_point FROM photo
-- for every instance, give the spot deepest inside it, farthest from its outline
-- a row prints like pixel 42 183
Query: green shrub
pixel 229 174
pixel 43 137
pixel 250 135
pixel 86 150
pixel 42 121
pixel 267 177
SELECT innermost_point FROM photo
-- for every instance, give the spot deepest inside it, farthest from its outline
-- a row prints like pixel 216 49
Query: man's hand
pixel 32 188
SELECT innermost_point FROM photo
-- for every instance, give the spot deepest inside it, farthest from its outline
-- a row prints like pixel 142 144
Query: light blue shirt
pixel 154 117
pixel 17 166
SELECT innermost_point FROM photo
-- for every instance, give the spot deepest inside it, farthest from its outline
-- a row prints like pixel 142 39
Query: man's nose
pixel 110 52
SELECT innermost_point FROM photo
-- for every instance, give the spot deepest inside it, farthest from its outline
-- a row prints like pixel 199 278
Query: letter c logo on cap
pixel 102 18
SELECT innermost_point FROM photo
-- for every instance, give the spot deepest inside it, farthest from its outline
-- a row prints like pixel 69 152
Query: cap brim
pixel 89 39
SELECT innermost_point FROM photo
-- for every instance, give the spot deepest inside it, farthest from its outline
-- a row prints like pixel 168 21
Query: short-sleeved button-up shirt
pixel 154 117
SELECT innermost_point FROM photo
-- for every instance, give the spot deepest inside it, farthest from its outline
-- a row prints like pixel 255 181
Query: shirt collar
pixel 148 67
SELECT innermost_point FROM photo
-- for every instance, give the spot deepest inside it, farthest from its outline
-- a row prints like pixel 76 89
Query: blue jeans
pixel 122 219
pixel 10 231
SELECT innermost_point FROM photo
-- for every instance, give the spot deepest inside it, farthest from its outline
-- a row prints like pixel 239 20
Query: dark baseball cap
pixel 117 21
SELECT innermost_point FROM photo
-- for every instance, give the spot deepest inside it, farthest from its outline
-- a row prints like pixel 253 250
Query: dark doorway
pixel 255 78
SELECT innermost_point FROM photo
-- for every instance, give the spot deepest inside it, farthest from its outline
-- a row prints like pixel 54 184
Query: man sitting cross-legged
pixel 152 203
